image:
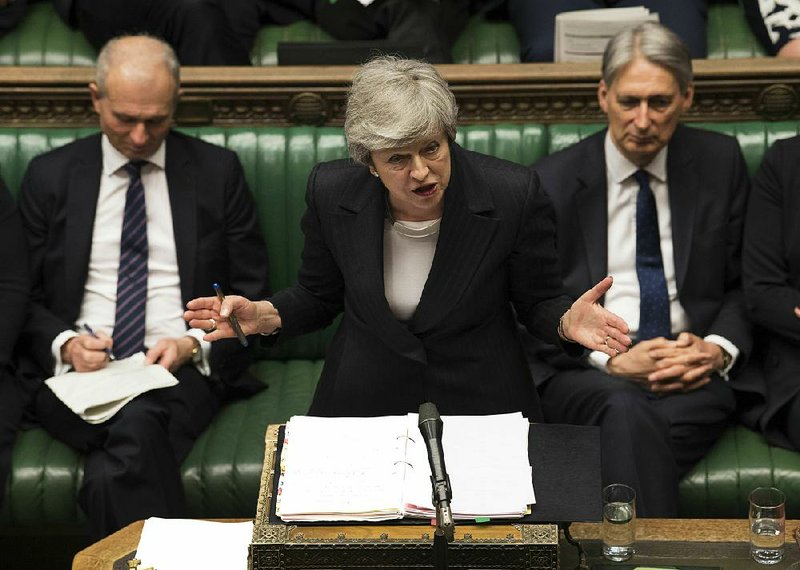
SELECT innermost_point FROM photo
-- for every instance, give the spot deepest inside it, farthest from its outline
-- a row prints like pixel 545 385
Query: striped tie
pixel 654 319
pixel 132 278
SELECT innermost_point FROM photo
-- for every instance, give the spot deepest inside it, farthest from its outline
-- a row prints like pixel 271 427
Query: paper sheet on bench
pixel 179 544
pixel 97 396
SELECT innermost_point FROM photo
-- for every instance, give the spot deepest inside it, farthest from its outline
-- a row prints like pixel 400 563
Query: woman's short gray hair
pixel 394 102
pixel 653 42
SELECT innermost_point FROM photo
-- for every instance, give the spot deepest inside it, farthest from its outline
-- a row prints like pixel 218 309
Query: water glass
pixel 767 525
pixel 619 522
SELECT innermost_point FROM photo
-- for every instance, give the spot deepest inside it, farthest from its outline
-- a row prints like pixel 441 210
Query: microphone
pixel 430 425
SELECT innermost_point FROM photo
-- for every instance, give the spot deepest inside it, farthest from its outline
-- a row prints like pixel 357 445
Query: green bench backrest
pixel 43 39
pixel 277 162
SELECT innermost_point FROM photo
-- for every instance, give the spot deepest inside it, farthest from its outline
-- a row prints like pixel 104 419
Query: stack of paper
pixel 97 396
pixel 375 469
pixel 582 35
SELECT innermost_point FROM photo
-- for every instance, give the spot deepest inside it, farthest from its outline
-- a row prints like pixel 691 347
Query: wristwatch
pixel 197 354
pixel 726 359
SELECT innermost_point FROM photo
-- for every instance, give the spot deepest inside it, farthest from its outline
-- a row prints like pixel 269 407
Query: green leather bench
pixel 43 39
pixel 221 474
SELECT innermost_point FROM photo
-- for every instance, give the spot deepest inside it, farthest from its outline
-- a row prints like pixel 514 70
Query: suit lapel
pixel 465 234
pixel 358 223
pixel 182 186
pixel 591 206
pixel 683 191
pixel 83 188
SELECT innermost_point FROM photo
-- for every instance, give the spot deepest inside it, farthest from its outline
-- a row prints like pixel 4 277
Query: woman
pixel 425 247
pixel 13 307
pixel 771 278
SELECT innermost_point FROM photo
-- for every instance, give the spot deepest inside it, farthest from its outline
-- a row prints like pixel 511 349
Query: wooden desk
pixel 715 542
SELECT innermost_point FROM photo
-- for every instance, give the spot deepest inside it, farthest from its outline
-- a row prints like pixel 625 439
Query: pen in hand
pixel 89 330
pixel 232 318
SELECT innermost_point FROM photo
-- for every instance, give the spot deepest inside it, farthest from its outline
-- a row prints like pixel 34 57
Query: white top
pixel 164 312
pixel 623 297
pixel 408 249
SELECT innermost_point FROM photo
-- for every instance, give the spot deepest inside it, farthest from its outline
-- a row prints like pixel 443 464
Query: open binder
pixel 376 469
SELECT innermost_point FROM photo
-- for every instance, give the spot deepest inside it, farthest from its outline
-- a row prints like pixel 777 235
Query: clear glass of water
pixel 767 525
pixel 619 522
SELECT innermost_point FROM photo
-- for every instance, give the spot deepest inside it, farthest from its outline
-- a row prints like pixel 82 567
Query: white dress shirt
pixel 164 311
pixel 623 297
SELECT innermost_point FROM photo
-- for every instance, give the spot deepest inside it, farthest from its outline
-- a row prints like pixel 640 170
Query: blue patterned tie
pixel 132 278
pixel 654 317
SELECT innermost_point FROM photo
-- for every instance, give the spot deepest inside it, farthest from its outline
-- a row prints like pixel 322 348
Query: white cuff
pixel 203 367
pixel 728 347
pixel 55 347
pixel 599 360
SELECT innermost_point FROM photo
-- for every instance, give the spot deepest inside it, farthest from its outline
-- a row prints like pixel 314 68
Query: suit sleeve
pixel 38 207
pixel 317 298
pixel 14 281
pixel 535 281
pixel 731 320
pixel 770 289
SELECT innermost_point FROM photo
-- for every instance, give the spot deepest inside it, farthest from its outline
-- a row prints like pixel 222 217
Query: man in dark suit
pixel 124 228
pixel 659 206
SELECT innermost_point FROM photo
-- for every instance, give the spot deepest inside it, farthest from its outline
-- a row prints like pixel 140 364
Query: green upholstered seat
pixel 43 39
pixel 221 474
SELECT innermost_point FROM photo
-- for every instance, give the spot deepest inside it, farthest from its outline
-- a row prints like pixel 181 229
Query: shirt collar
pixel 113 159
pixel 620 168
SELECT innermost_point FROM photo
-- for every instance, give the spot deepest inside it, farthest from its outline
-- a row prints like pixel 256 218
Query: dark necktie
pixel 132 278
pixel 654 317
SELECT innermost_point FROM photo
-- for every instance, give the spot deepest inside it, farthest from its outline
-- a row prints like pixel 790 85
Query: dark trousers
pixel 197 30
pixel 13 400
pixel 417 21
pixel 647 441
pixel 534 21
pixel 132 468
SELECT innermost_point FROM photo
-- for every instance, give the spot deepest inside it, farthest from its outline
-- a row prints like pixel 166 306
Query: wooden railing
pixel 734 89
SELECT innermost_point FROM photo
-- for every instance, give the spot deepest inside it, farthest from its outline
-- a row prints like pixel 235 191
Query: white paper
pixel 377 468
pixel 582 35
pixel 97 396
pixel 179 544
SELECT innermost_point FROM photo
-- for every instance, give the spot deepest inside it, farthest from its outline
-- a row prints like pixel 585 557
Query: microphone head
pixel 428 412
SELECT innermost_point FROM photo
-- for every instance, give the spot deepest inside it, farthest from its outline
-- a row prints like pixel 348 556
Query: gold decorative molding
pixel 734 89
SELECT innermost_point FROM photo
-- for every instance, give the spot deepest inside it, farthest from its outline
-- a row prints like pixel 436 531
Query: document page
pixel 97 396
pixel 343 469
pixel 487 461
pixel 582 35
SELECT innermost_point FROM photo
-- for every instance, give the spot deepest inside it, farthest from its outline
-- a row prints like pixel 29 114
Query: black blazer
pixel 708 188
pixel 217 239
pixel 460 350
pixel 771 271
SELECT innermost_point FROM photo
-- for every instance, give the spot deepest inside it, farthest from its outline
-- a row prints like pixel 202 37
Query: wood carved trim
pixel 736 89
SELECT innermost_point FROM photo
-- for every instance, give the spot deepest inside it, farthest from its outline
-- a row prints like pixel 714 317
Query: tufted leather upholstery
pixel 43 39
pixel 221 474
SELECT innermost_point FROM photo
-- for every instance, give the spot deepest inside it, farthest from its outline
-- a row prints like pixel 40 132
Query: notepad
pixel 97 396
pixel 582 35
pixel 376 469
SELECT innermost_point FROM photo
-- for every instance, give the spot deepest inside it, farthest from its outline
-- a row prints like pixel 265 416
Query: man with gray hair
pixel 124 227
pixel 659 206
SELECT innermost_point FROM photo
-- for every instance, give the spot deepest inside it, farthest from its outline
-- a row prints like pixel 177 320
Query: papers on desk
pixel 97 396
pixel 582 35
pixel 376 469
pixel 178 544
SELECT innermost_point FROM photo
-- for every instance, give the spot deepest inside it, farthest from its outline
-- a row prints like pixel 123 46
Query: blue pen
pixel 231 318
pixel 89 330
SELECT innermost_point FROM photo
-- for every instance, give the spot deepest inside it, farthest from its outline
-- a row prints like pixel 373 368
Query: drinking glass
pixel 767 525
pixel 619 522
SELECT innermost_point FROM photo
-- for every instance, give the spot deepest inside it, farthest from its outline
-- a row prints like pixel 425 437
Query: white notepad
pixel 97 396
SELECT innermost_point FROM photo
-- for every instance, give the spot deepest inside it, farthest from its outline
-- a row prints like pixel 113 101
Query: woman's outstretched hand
pixel 590 324
pixel 211 315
